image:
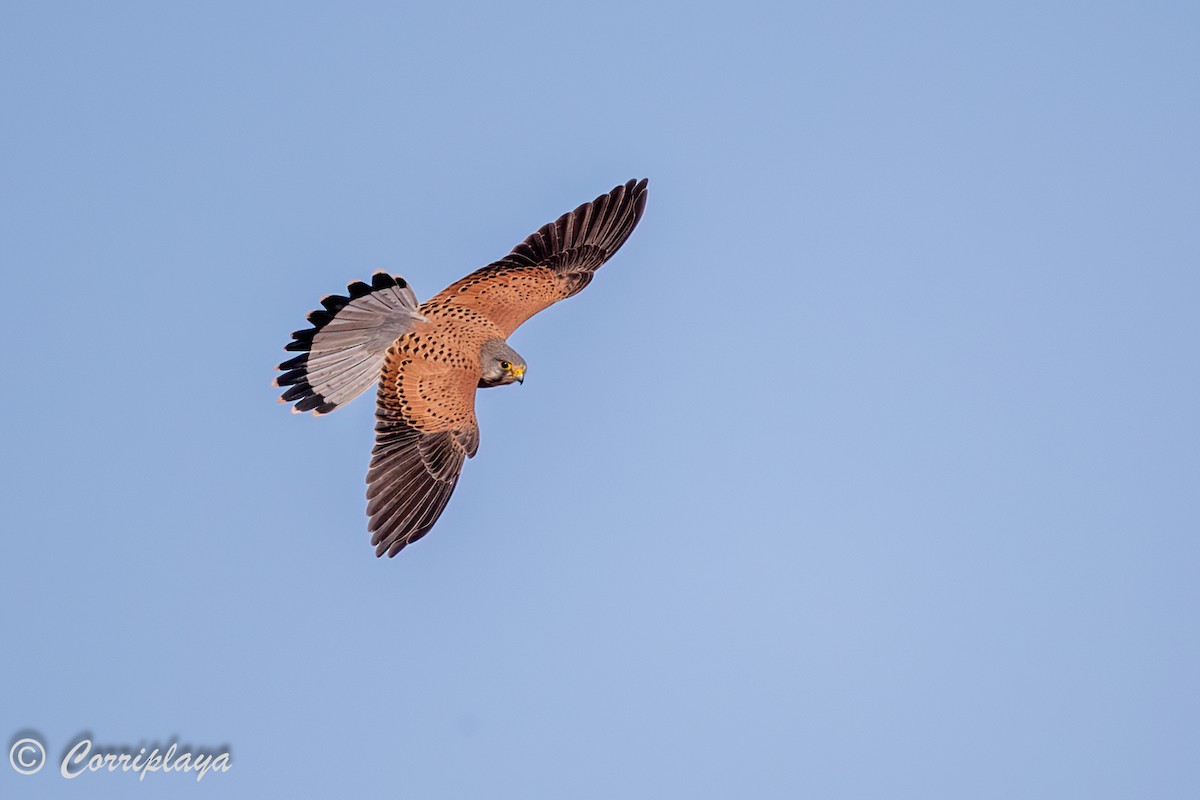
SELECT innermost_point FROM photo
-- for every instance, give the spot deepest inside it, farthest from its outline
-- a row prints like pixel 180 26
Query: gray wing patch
pixel 342 353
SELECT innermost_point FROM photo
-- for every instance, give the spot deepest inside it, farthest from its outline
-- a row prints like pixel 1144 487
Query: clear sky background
pixel 867 469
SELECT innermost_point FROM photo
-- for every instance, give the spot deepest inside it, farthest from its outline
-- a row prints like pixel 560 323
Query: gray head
pixel 501 364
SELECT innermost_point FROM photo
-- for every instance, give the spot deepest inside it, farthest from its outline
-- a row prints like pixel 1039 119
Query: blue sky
pixel 867 468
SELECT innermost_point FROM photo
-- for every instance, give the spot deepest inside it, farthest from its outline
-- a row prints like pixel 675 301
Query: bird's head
pixel 501 364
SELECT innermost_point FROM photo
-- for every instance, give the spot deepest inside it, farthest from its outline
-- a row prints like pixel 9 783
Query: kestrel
pixel 429 358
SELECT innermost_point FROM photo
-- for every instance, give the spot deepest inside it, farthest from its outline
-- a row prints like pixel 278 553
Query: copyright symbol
pixel 27 756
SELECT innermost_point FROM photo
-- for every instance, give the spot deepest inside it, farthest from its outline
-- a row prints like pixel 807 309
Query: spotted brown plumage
pixel 430 359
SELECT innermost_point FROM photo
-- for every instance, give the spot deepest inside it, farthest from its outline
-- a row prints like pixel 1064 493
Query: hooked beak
pixel 519 374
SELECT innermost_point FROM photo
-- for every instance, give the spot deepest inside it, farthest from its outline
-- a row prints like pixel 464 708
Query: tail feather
pixel 342 353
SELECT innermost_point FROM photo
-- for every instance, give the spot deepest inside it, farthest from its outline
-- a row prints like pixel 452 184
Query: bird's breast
pixel 450 337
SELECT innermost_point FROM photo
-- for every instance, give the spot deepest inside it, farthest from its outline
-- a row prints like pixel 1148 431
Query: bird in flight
pixel 429 358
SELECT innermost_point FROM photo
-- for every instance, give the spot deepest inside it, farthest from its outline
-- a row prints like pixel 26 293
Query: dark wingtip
pixel 632 186
pixel 632 192
pixel 637 190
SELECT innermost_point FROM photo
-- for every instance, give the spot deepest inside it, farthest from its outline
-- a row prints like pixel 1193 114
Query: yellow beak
pixel 519 374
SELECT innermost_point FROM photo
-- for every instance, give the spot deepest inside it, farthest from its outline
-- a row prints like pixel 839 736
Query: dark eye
pixel 504 365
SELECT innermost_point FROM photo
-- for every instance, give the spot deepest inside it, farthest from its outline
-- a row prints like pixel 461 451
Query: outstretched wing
pixel 424 429
pixel 342 353
pixel 554 263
